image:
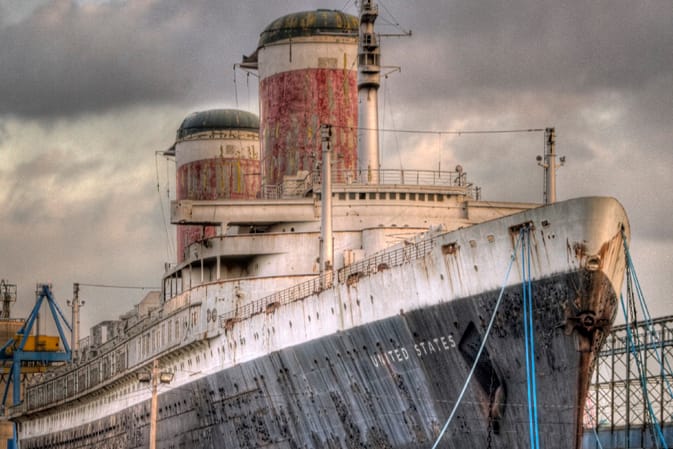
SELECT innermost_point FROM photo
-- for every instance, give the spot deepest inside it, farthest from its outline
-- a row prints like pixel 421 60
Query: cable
pixel 394 22
pixel 134 287
pixel 386 100
pixel 481 348
pixel 343 8
pixel 591 418
pixel 449 131
pixel 235 88
pixel 531 382
pixel 663 362
pixel 169 246
pixel 641 371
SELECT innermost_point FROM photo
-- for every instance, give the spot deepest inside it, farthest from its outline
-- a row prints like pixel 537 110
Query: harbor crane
pixel 24 351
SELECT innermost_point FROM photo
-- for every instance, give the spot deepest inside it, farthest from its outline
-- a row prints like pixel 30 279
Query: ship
pixel 319 301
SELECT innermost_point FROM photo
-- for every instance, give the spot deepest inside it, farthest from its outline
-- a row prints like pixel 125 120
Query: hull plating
pixel 390 384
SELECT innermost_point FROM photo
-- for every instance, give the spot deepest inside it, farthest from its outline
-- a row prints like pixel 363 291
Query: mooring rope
pixel 481 348
pixel 632 280
pixel 665 366
pixel 529 331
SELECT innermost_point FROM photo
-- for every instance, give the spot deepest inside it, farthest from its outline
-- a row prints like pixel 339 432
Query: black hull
pixel 389 384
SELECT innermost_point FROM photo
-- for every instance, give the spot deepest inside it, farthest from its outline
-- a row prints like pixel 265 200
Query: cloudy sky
pixel 91 90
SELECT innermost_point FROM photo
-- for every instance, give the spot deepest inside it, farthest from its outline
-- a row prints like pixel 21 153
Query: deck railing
pixel 299 186
pixel 351 273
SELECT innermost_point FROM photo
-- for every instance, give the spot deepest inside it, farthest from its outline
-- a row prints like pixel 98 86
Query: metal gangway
pixel 618 412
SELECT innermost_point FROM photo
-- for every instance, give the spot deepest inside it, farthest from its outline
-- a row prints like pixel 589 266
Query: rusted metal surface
pixel 214 179
pixel 293 105
pixel 388 384
pixel 375 358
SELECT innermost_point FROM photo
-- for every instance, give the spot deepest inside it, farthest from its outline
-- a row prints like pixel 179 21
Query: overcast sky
pixel 91 90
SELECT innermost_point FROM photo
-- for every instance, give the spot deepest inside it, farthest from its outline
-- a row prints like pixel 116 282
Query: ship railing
pixel 304 182
pixel 385 260
pixel 350 274
pixel 270 303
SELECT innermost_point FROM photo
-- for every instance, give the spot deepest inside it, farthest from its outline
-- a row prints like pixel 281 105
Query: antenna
pixel 76 304
pixel 8 297
pixel 369 80
pixel 549 165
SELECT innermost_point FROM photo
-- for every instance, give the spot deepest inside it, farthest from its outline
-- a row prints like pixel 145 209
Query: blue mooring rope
pixel 529 331
pixel 481 348
pixel 642 375
pixel 665 369
pixel 632 279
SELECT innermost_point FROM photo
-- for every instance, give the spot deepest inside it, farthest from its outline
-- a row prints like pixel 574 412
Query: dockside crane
pixel 24 349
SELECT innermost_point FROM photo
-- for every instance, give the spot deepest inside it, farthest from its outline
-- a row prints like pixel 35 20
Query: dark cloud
pixel 545 44
pixel 97 77
pixel 73 58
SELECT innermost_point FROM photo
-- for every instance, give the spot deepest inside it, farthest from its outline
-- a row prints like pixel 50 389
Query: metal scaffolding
pixel 617 413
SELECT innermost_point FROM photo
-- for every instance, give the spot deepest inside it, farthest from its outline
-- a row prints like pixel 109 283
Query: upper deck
pixel 278 234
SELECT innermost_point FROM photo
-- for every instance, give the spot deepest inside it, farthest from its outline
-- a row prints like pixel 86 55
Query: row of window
pixel 113 363
pixel 412 196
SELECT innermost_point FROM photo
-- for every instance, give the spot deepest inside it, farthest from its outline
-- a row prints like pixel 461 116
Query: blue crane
pixel 15 352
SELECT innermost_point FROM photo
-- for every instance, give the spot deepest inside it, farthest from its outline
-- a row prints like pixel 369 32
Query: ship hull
pixel 391 383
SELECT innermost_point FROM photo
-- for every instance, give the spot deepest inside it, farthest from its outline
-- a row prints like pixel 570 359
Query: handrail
pixel 366 267
pixel 346 177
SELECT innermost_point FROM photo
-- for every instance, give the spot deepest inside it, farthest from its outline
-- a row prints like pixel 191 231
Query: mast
pixel 326 237
pixel 369 80
pixel 7 296
pixel 75 318
pixel 549 164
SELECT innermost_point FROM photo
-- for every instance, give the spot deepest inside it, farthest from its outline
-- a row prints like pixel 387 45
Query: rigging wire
pixel 235 87
pixel 595 426
pixel 386 100
pixel 130 287
pixel 633 344
pixel 633 339
pixel 169 244
pixel 394 22
pixel 247 85
pixel 343 8
pixel 481 348
pixel 446 132
pixel 661 359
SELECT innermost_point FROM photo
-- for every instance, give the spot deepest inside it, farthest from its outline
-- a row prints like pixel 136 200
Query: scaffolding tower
pixel 617 413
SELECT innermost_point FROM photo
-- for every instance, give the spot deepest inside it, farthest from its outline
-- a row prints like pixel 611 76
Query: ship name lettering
pixel 437 344
pixel 422 349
